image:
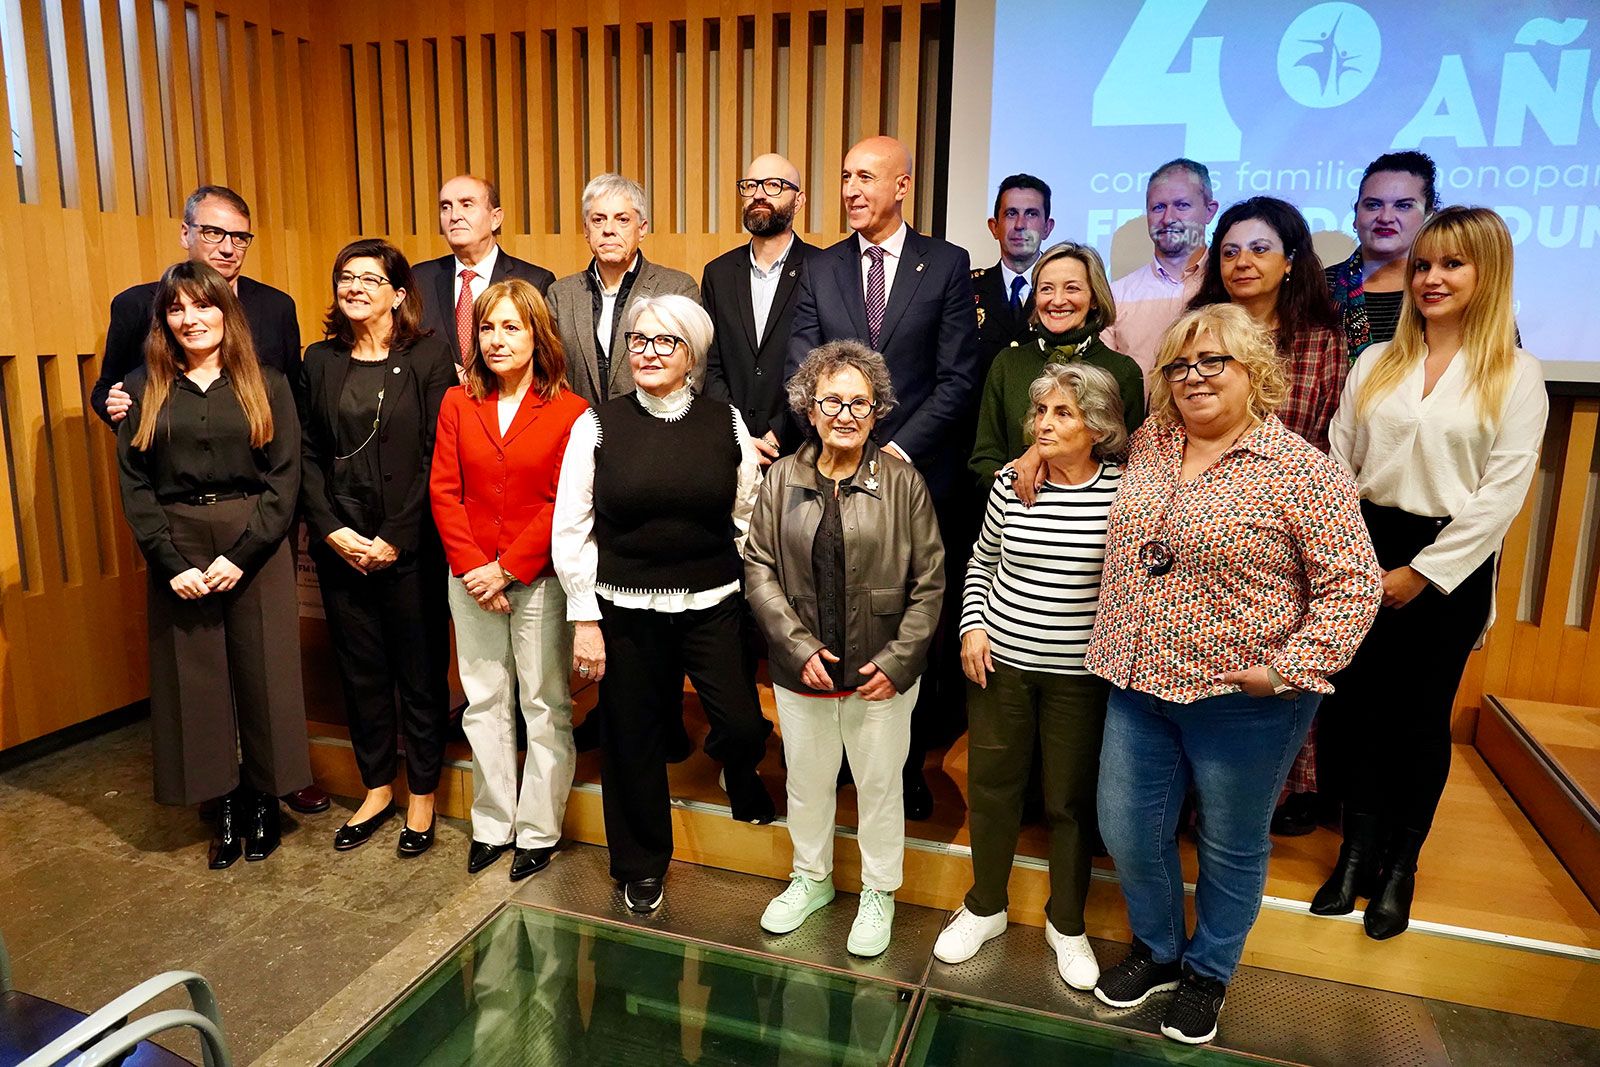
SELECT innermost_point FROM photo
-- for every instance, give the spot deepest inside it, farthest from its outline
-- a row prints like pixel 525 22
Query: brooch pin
pixel 920 266
pixel 872 475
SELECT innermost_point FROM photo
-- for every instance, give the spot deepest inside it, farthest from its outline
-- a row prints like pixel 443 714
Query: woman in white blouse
pixel 1441 428
pixel 651 513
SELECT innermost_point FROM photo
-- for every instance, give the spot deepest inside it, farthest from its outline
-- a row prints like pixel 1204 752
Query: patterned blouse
pixel 1273 565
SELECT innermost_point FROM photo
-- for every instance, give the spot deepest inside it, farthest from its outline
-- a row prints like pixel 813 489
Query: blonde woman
pixel 1441 429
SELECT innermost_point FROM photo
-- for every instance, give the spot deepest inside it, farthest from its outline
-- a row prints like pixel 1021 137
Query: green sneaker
pixel 869 934
pixel 794 905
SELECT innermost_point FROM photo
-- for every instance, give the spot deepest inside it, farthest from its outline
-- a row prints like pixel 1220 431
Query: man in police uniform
pixel 1004 292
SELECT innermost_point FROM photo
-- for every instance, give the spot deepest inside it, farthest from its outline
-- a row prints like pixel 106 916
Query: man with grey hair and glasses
pixel 589 306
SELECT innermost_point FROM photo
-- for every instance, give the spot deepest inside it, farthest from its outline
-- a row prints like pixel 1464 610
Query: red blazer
pixel 493 497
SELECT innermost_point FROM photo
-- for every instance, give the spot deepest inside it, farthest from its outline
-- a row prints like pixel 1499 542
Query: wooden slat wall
pixel 336 125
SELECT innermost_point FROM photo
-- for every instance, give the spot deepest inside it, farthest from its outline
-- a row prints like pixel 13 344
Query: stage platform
pixel 1498 922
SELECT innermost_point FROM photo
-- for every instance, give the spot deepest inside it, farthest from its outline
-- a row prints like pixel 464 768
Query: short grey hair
pixel 615 184
pixel 1198 171
pixel 830 359
pixel 1099 401
pixel 680 315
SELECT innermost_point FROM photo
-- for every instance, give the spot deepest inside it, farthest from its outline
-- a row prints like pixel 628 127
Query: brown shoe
pixel 307 801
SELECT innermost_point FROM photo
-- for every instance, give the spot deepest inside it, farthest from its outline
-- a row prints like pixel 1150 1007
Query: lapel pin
pixel 872 474
pixel 397 370
pixel 919 268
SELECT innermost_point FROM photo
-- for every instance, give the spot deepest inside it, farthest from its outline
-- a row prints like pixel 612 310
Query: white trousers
pixel 527 653
pixel 876 735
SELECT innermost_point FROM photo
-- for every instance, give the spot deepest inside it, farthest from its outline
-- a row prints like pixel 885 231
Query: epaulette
pixel 977 272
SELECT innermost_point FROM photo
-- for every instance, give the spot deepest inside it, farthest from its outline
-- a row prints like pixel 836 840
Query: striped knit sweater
pixel 1034 579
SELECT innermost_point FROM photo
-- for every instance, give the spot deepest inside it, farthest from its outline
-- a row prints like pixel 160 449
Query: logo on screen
pixel 1328 55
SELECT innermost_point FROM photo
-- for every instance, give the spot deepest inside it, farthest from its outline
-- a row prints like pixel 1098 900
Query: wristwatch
pixel 1279 686
pixel 511 579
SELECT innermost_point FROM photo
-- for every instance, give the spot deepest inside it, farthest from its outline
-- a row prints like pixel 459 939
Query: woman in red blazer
pixel 497 455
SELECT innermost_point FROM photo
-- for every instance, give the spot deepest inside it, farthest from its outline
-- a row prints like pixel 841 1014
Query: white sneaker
pixel 869 934
pixel 795 904
pixel 1075 960
pixel 965 934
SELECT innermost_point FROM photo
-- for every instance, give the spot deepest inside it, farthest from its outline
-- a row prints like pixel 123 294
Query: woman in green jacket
pixel 1072 304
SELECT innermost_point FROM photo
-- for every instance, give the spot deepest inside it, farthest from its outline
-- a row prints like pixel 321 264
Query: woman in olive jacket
pixel 844 572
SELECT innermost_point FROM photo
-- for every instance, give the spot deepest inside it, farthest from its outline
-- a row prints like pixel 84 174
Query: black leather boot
pixel 263 831
pixel 1356 872
pixel 228 844
pixel 1389 911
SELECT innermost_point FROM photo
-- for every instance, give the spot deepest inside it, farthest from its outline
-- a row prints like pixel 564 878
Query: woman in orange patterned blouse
pixel 1238 575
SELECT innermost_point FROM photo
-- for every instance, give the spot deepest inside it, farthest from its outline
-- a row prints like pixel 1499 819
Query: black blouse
pixel 828 579
pixel 357 482
pixel 202 445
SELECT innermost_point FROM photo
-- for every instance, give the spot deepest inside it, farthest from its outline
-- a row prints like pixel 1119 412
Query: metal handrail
pixel 111 1048
pixel 113 1018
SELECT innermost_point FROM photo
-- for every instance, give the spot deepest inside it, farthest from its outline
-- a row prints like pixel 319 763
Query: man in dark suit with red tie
pixel 750 294
pixel 909 296
pixel 469 218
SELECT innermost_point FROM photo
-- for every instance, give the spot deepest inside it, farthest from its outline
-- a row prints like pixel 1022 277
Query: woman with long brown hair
pixel 1441 428
pixel 501 436
pixel 369 402
pixel 210 470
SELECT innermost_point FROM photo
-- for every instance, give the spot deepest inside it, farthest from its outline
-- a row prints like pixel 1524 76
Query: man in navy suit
pixel 910 297
pixel 469 217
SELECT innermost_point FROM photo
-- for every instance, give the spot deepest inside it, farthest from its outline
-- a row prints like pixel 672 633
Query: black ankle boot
pixel 1356 872
pixel 262 832
pixel 228 844
pixel 1389 910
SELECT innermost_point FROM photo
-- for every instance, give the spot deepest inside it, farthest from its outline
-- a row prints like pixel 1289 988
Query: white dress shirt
pixel 573 550
pixel 764 286
pixel 483 270
pixel 608 306
pixel 1432 455
pixel 1006 276
pixel 894 245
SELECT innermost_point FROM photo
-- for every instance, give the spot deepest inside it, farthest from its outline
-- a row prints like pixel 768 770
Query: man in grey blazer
pixel 589 306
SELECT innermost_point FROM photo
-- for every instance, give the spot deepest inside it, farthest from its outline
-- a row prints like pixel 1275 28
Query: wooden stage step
pixel 1498 922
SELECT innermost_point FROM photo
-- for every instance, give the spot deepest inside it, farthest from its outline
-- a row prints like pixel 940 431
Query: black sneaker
pixel 1192 1016
pixel 644 896
pixel 1131 982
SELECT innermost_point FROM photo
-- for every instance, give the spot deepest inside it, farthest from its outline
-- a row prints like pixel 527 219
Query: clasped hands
pixel 876 687
pixel 365 554
pixel 195 583
pixel 487 585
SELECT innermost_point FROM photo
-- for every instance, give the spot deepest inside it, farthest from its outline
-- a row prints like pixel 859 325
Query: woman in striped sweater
pixel 1032 590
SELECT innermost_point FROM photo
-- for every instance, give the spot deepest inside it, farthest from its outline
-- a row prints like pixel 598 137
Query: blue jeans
pixel 1235 751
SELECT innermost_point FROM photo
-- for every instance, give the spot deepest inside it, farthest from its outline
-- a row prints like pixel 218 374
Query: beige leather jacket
pixel 891 547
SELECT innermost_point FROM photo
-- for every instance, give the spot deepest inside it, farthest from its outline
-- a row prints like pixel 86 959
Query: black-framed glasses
pixel 1206 366
pixel 370 282
pixel 1157 557
pixel 664 343
pixel 831 406
pixel 771 186
pixel 213 235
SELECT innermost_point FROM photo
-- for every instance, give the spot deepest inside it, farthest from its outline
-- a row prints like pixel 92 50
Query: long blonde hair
pixel 1488 331
pixel 164 357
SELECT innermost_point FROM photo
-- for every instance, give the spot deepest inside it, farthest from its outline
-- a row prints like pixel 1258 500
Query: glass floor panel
pixel 952 1033
pixel 534 988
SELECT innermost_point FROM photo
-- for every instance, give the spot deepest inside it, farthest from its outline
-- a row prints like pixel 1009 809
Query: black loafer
pixel 355 834
pixel 415 842
pixel 482 855
pixel 528 861
pixel 645 895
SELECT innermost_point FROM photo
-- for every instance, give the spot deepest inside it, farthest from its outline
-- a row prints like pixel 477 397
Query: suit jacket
pixel 494 496
pixel 436 282
pixel 997 326
pixel 573 300
pixel 418 379
pixel 929 338
pixel 274 329
pixel 738 370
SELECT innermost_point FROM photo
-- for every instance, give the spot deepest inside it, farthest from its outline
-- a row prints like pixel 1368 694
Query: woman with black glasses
pixel 1238 575
pixel 369 401
pixel 650 518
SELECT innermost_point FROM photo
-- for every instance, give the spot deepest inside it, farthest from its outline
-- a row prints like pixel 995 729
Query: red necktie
pixel 464 316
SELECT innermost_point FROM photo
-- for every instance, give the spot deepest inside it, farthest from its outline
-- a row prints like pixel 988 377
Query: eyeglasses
pixel 831 406
pixel 771 186
pixel 1207 366
pixel 664 343
pixel 370 282
pixel 213 235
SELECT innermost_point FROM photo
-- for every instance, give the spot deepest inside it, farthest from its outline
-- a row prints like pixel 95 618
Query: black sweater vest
pixel 663 497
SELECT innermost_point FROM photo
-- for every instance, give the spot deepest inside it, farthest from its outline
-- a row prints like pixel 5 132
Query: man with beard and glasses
pixel 1178 207
pixel 750 294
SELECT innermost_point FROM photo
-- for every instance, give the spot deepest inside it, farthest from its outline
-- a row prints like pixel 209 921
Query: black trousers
pixel 389 634
pixel 647 655
pixel 1388 720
